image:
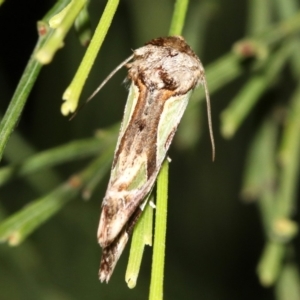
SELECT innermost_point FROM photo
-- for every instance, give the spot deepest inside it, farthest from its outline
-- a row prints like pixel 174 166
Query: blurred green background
pixel 214 239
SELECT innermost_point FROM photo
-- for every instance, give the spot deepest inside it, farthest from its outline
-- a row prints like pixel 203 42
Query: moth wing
pixel 111 255
pixel 121 199
pixel 128 111
pixel 116 213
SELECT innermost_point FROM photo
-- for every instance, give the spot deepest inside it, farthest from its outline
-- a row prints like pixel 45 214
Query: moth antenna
pixel 122 64
pixel 210 128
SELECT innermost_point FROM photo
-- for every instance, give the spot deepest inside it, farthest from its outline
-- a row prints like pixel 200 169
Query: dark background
pixel 214 240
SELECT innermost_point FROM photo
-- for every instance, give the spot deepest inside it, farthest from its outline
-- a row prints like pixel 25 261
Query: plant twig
pixel 158 260
pixel 27 80
pixel 142 236
pixel 178 18
pixel 73 91
pixel 16 228
pixel 66 18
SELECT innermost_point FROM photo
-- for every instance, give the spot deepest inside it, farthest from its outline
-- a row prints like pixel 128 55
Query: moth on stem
pixel 163 74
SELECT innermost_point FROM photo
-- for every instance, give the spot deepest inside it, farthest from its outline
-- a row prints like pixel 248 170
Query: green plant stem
pixel 18 101
pixel 275 250
pixel 259 16
pixel 158 260
pixel 241 105
pixel 178 18
pixel 42 183
pixel 259 182
pixel 26 83
pixel 47 51
pixel 73 91
pixel 270 264
pixel 142 236
pixel 75 150
pixel 290 161
pixel 229 67
pixel 17 227
pixel 281 30
pixel 288 287
pixel 201 13
pixel 286 9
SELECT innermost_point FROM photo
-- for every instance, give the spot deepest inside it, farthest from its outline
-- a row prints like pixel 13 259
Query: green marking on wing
pixel 169 120
pixel 140 178
pixel 129 108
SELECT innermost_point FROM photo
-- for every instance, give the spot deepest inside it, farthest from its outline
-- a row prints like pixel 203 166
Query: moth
pixel 163 75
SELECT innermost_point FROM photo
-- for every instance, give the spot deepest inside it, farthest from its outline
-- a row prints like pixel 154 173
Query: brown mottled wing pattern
pixel 163 74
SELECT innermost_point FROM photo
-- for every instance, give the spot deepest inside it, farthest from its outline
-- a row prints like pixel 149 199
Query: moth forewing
pixel 120 201
pixel 163 74
pixel 115 176
pixel 129 108
pixel 111 255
